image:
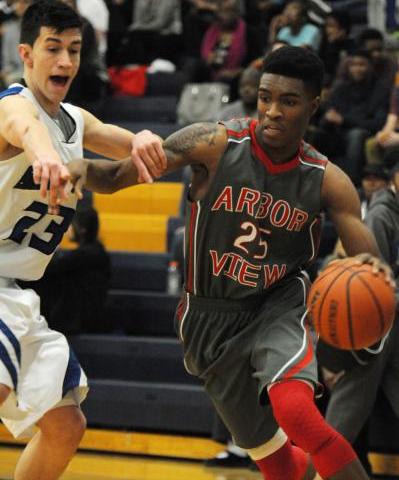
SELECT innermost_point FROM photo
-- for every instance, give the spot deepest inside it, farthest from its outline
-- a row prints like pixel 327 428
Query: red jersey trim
pixel 305 360
pixel 243 133
pixel 191 259
pixel 262 155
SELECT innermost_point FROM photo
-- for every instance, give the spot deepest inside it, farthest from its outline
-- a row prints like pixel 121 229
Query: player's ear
pixel 315 105
pixel 25 53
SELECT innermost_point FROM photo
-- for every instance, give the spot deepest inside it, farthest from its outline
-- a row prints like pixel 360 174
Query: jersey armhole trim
pixel 10 91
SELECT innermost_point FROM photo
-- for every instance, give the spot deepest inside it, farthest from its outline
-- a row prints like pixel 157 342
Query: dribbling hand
pixel 378 266
pixel 148 156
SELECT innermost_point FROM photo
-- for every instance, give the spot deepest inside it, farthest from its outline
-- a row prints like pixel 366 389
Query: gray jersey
pixel 259 221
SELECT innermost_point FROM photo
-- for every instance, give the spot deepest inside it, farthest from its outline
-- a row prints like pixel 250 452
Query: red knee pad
pixel 297 414
pixel 287 462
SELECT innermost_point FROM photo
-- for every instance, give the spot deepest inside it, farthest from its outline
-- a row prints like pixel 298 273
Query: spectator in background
pixel 292 26
pixel 259 17
pixel 224 47
pixel 374 178
pixel 357 107
pixel 97 14
pixel 355 377
pixel 387 138
pixel 11 64
pixel 155 32
pixel 385 65
pixel 336 43
pixel 74 287
pixel 120 13
pixel 246 105
pixel 90 84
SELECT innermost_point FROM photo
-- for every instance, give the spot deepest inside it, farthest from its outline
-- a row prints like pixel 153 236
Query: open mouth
pixel 59 80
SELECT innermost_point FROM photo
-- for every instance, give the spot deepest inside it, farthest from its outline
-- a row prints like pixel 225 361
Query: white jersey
pixel 28 235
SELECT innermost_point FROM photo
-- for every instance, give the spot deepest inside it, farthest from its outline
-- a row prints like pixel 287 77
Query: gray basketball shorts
pixel 238 348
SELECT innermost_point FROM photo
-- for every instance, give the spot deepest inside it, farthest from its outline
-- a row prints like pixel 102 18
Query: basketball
pixel 350 306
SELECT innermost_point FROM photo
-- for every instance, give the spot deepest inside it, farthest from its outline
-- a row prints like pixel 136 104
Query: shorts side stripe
pixel 306 342
pixel 5 358
pixel 12 339
pixel 72 374
pixel 297 355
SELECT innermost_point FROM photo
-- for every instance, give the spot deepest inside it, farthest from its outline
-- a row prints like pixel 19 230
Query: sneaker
pixel 228 459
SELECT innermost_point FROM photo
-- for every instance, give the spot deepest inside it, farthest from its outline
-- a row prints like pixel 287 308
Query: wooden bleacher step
pixel 160 198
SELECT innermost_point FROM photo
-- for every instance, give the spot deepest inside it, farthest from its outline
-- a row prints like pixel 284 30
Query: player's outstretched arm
pixel 198 144
pixel 342 202
pixel 20 127
pixel 117 143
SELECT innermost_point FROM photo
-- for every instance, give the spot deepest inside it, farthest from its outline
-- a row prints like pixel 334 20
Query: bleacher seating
pixel 138 271
pixel 141 312
pixel 140 383
pixel 162 83
pixel 151 109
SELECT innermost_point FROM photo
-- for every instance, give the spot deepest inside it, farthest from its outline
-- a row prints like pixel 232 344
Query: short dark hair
pixel 360 52
pixel 376 170
pixel 342 18
pixel 87 222
pixel 296 62
pixel 370 34
pixel 47 13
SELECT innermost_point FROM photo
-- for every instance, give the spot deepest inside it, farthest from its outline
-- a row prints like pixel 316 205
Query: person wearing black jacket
pixel 356 377
pixel 74 287
pixel 357 108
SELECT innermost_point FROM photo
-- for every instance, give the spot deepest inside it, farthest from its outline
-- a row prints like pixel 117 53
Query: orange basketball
pixel 350 306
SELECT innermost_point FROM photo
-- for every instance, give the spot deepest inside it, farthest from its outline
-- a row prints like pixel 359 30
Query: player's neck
pixel 281 155
pixel 50 107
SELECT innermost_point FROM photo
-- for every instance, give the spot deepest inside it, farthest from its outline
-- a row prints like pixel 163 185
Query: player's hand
pixel 52 176
pixel 78 175
pixel 378 266
pixel 148 156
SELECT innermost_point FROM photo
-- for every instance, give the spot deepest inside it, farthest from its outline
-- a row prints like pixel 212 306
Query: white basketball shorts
pixel 35 362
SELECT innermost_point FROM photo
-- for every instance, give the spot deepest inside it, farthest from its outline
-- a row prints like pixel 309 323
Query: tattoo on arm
pixel 186 140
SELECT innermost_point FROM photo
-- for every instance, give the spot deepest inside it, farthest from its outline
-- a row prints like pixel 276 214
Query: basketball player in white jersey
pixel 41 382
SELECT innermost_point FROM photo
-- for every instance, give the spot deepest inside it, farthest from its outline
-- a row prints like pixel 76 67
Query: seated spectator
pixel 197 16
pixel 89 87
pixel 385 65
pixel 11 64
pixel 259 17
pixel 387 138
pixel 293 27
pixel 224 47
pixel 246 105
pixel 74 287
pixel 120 13
pixel 357 107
pixel 97 14
pixel 374 179
pixel 155 32
pixel 336 44
pixel 354 377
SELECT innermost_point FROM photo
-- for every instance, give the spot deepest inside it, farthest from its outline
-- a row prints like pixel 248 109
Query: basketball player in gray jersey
pixel 253 219
pixel 41 381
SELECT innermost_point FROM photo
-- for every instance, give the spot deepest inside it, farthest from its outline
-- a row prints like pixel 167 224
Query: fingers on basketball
pixel 350 306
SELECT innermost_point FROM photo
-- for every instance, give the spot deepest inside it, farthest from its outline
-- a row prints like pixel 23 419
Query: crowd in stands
pixel 216 40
